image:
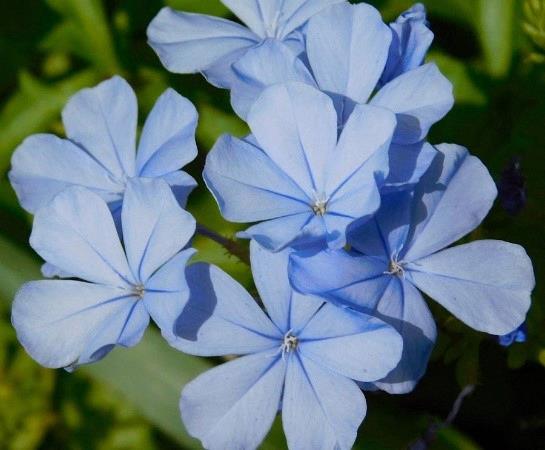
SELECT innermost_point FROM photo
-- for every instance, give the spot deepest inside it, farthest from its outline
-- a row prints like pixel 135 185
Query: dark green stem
pixel 231 245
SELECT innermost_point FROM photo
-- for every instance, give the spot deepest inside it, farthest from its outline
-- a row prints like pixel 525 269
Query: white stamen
pixel 139 290
pixel 319 206
pixel 290 343
pixel 395 268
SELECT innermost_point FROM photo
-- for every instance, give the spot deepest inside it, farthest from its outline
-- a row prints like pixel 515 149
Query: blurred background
pixel 494 53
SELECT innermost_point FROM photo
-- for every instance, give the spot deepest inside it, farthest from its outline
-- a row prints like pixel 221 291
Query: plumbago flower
pixel 294 174
pixel 347 66
pixel 66 323
pixel 190 43
pixel 411 40
pixel 300 359
pixel 99 153
pixel 486 284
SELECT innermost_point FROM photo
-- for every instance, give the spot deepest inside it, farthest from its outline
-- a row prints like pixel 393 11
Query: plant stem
pixel 231 245
pixel 430 434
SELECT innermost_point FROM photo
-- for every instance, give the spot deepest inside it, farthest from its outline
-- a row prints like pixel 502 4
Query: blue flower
pixel 190 43
pixel 294 174
pixel 99 153
pixel 301 359
pixel 347 66
pixel 411 40
pixel 66 323
pixel 518 335
pixel 347 49
pixel 486 284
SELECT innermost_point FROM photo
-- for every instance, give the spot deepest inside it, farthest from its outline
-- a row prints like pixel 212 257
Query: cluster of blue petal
pixel 351 214
pixel 110 220
pixel 304 359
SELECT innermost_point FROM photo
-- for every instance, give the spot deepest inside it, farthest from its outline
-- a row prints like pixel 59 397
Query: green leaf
pixel 495 29
pixel 34 107
pixel 151 376
pixel 460 11
pixel 16 268
pixel 85 32
pixel 517 355
pixel 467 367
pixel 450 438
pixel 212 7
pixel 466 91
pixel 213 122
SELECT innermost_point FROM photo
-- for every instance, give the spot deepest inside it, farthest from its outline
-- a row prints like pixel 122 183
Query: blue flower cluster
pixel 352 212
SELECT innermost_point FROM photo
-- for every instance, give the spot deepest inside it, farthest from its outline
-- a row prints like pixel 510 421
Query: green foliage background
pixel 492 50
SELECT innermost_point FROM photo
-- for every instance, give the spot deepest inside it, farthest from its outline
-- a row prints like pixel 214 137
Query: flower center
pixel 319 206
pixel 395 268
pixel 139 290
pixel 290 343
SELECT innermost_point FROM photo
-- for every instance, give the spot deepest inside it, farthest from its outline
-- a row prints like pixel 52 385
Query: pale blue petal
pixel 354 189
pixel 221 73
pixel 345 278
pixel 384 236
pixel 486 284
pixel 337 224
pixel 407 165
pixel 167 294
pixel 221 318
pixel 258 15
pixel 51 271
pixel 320 410
pixel 367 133
pixel 289 310
pixel 44 165
pixel 270 273
pixel 190 43
pixel 297 12
pixel 103 121
pixel 451 200
pixel 411 41
pixel 155 227
pixel 420 98
pixel 296 126
pixel 276 18
pixel 296 42
pixel 233 406
pixel 267 64
pixel 231 174
pixel 277 234
pixel 182 184
pixel 351 344
pixel 62 323
pixel 402 307
pixel 76 233
pixel 347 48
pixel 125 328
pixel 167 142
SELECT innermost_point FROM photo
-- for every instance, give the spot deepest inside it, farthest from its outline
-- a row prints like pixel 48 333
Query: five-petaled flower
pixel 100 152
pixel 295 175
pixel 189 43
pixel 302 359
pixel 67 323
pixel 486 284
pixel 339 106
pixel 348 66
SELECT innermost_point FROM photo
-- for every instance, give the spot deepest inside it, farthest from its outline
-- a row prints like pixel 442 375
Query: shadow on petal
pixel 201 304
